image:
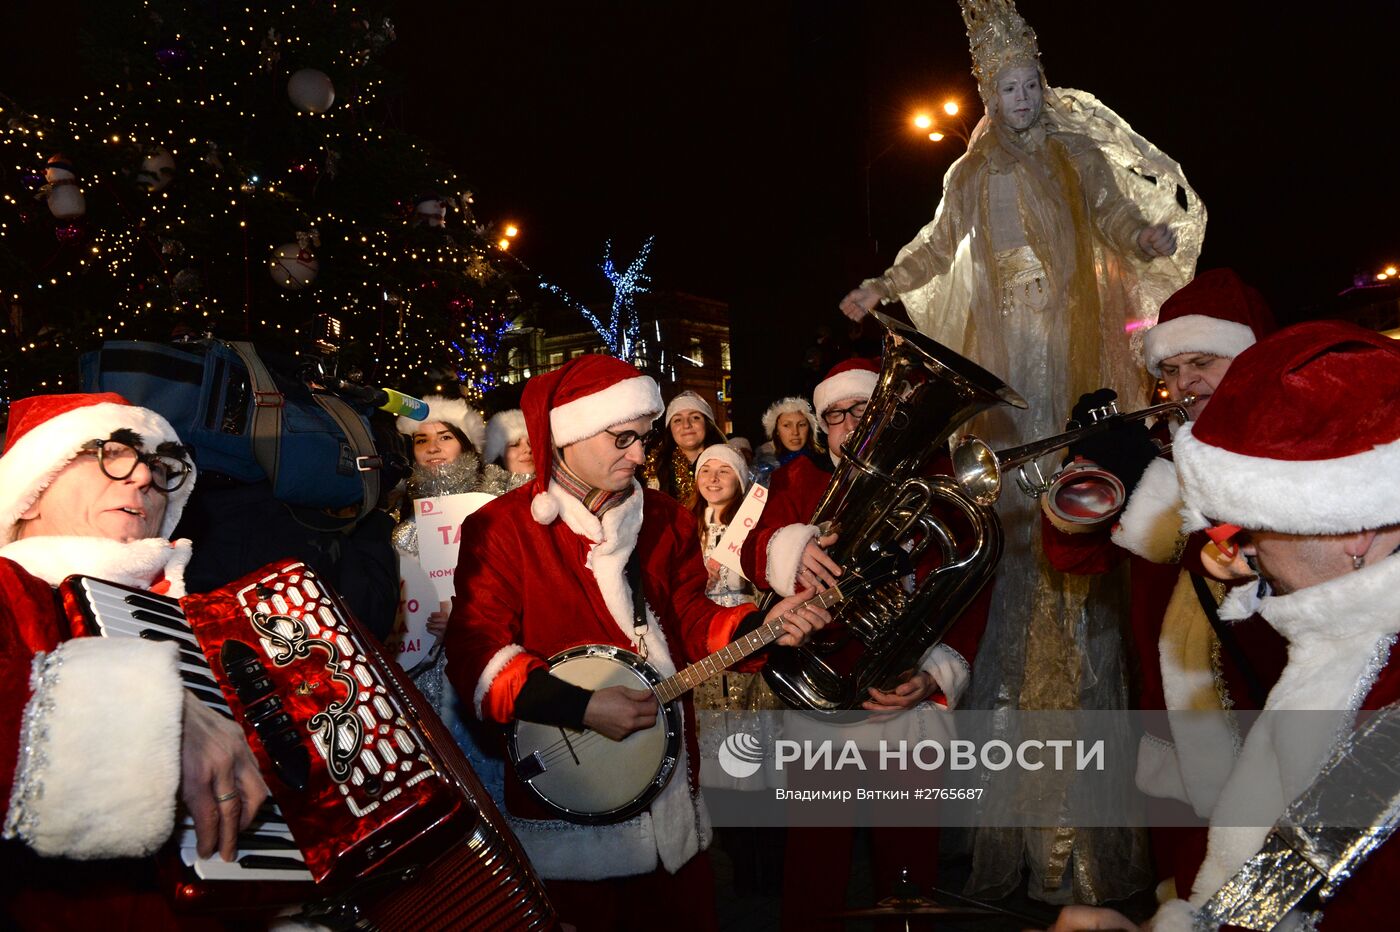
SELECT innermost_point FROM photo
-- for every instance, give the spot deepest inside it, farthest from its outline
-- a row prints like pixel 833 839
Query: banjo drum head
pixel 609 776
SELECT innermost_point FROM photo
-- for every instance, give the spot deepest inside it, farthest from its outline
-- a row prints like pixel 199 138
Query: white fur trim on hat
pixel 740 443
pixel 590 415
pixel 505 429
pixel 1195 333
pixel 37 457
pixel 1336 496
pixel 454 411
pixel 791 405
pixel 688 401
pixel 853 383
pixel 96 777
pixel 730 457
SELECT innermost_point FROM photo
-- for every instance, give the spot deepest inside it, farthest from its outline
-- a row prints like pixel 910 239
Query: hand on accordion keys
pixel 1125 449
pixel 220 783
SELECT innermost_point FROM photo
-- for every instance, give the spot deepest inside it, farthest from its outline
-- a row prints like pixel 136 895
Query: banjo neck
pixel 673 687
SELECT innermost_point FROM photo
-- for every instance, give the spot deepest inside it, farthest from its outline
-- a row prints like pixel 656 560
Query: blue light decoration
pixel 623 330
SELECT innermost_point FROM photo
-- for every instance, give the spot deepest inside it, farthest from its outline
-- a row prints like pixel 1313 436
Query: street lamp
pixel 951 108
pixel 920 121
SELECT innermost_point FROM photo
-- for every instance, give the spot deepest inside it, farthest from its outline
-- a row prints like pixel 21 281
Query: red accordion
pixel 378 815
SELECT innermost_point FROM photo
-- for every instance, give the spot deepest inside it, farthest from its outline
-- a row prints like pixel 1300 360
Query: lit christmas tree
pixel 237 177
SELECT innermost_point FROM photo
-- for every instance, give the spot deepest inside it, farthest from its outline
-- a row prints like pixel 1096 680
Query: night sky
pixel 738 134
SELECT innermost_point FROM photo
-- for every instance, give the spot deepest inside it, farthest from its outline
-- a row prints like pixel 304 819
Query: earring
pixel 1357 561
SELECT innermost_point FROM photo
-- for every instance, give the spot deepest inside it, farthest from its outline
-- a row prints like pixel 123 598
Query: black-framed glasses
pixel 834 416
pixel 118 460
pixel 622 439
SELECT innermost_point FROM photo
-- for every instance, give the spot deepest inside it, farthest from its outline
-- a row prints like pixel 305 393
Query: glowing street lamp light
pixel 1390 271
pixel 951 108
pixel 512 230
pixel 923 121
pixel 935 136
pixel 503 244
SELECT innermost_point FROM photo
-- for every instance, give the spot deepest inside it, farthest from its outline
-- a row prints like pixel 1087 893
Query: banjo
pixel 582 776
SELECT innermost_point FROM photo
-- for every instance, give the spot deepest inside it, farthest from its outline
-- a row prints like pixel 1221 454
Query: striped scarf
pixel 597 501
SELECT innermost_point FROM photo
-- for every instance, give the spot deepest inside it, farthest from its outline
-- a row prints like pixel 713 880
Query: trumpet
pixel 979 469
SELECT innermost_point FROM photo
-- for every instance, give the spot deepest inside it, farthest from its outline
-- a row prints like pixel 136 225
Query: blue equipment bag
pixel 243 422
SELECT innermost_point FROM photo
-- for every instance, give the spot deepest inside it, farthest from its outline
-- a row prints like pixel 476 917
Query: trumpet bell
pixel 1083 497
pixel 977 471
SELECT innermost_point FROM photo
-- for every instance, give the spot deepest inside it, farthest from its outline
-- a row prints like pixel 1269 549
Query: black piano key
pixel 268 862
pixel 196 679
pixel 259 841
pixel 186 655
pixel 156 602
pixel 165 621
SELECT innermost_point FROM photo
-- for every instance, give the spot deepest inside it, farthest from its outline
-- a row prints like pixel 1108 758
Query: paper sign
pixel 418 598
pixel 727 550
pixel 425 584
pixel 439 529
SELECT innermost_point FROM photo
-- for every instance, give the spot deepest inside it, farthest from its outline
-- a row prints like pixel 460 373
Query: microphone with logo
pixel 395 402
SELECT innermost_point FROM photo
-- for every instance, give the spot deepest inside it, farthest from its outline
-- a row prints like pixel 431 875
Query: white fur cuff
pixel 100 761
pixel 1151 523
pixel 1173 916
pixel 949 670
pixel 785 555
pixel 493 669
pixel 1158 770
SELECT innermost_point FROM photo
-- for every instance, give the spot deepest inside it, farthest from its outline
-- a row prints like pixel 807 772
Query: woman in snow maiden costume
pixel 1297 455
pixel 541 570
pixel 97 735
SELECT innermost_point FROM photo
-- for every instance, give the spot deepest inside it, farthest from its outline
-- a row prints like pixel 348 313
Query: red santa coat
pixel 526 591
pixel 89 744
pixel 1341 636
pixel 772 553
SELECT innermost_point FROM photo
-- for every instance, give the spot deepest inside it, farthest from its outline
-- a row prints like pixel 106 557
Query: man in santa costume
pixel 786 553
pixel 1188 661
pixel 99 736
pixel 1296 455
pixel 545 568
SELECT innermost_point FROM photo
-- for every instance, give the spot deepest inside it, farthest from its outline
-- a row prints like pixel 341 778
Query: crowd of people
pixel 1248 562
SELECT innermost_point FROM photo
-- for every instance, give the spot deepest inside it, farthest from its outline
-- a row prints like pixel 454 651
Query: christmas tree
pixel 238 174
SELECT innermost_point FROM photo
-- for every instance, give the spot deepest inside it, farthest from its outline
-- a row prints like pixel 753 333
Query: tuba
pixel 887 508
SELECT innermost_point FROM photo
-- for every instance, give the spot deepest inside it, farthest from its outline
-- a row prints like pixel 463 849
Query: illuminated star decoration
pixel 622 332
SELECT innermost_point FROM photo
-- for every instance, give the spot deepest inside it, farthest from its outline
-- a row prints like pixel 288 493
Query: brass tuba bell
pixel 888 509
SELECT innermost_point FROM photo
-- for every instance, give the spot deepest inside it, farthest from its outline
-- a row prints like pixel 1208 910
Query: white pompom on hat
pixel 505 429
pixel 1302 436
pixel 46 432
pixel 792 405
pixel 724 453
pixel 851 378
pixel 1215 312
pixel 580 399
pixel 688 401
pixel 454 411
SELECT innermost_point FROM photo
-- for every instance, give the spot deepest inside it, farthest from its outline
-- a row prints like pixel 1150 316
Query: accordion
pixel 376 817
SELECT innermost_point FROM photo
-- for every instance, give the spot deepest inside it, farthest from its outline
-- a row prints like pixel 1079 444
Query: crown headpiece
pixel 999 39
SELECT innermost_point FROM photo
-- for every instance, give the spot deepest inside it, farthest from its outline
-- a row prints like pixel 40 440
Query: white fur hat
pixel 505 429
pixel 454 411
pixel 730 457
pixel 688 401
pixel 46 432
pixel 793 405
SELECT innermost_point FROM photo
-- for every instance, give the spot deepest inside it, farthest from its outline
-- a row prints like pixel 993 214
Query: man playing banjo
pixel 547 568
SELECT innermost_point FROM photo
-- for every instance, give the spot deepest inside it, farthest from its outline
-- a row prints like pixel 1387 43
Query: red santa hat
pixel 503 430
pixel 688 401
pixel 454 411
pixel 783 406
pixel 1215 312
pixel 852 378
pixel 724 453
pixel 1302 436
pixel 581 399
pixel 46 432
